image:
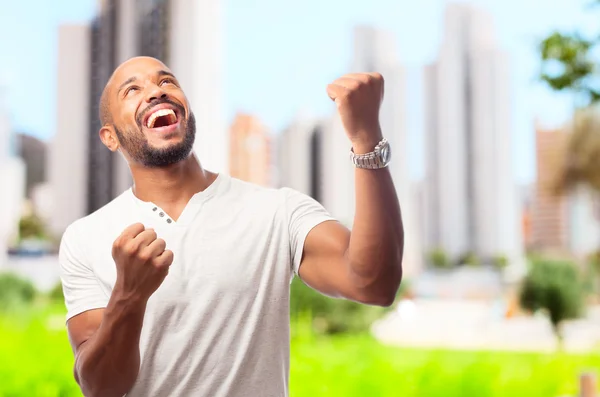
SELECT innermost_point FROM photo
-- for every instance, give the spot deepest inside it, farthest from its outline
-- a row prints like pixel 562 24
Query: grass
pixel 359 366
pixel 37 362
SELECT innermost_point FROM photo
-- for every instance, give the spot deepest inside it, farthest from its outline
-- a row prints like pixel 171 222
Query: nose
pixel 155 92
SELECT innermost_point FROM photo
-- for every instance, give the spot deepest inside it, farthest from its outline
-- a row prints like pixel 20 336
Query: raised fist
pixel 142 262
pixel 358 97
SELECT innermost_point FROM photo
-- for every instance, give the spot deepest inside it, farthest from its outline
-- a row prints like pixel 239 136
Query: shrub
pixel 15 291
pixel 500 262
pixel 32 226
pixel 56 294
pixel 553 286
pixel 439 259
pixel 469 259
pixel 329 315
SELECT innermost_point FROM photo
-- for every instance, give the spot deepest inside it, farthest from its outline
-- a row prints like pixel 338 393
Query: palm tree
pixel 569 63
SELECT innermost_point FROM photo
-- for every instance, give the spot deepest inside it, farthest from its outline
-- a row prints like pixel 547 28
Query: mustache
pixel 155 102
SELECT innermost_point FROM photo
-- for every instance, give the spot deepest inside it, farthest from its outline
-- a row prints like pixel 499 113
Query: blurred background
pixel 491 111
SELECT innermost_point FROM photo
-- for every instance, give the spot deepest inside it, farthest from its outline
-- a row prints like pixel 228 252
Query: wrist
pixel 127 300
pixel 366 143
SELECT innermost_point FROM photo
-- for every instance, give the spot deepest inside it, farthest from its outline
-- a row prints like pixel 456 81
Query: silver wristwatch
pixel 378 158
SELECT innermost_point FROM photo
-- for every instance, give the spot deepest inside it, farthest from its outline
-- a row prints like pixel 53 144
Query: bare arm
pixel 106 346
pixel 106 341
pixel 365 265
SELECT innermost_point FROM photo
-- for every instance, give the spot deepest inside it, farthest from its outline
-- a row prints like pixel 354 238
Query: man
pixel 180 286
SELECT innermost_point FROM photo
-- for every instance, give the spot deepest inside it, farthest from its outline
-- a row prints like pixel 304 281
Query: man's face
pixel 150 113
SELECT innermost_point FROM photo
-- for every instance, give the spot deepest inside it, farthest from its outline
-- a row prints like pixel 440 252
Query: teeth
pixel 159 113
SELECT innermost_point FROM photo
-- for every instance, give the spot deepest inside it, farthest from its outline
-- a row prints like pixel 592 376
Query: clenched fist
pixel 142 262
pixel 358 97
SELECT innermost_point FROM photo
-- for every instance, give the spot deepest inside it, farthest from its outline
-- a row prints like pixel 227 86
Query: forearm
pixel 376 244
pixel 108 363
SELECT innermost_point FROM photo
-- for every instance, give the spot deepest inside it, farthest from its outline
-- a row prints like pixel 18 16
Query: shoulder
pixel 101 221
pixel 249 192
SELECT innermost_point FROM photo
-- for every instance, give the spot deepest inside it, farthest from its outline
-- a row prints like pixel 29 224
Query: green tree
pixel 570 64
pixel 31 226
pixel 15 292
pixel 439 259
pixel 328 315
pixel 500 261
pixel 469 259
pixel 556 288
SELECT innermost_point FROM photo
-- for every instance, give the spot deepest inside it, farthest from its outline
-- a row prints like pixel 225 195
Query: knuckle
pixel 131 248
pixel 144 256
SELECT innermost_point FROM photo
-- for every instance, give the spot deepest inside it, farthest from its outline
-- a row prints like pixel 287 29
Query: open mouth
pixel 161 118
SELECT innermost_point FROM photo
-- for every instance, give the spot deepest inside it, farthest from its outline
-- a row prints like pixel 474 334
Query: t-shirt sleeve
pixel 303 214
pixel 81 288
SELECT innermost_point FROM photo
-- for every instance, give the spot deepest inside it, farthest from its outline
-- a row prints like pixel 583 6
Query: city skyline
pixel 253 66
pixel 471 203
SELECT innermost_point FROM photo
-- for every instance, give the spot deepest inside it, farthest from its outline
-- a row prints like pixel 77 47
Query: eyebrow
pixel 128 81
pixel 132 79
pixel 165 73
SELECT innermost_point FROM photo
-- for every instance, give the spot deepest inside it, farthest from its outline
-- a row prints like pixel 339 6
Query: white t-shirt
pixel 218 326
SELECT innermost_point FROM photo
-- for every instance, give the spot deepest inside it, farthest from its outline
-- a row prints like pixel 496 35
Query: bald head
pixel 122 74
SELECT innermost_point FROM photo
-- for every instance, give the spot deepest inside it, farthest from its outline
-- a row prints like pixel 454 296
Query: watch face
pixel 385 153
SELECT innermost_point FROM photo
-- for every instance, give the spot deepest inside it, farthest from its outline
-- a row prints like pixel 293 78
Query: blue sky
pixel 280 55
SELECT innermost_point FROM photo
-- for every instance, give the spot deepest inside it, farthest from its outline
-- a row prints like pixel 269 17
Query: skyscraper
pixel 250 150
pixel 12 175
pixel 563 222
pixel 549 221
pixel 471 197
pixel 68 162
pixel 298 159
pixel 195 56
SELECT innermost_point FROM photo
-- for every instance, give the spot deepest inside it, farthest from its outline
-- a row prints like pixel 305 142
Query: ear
pixel 109 138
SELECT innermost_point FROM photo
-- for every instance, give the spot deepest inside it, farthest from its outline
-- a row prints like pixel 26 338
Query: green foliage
pixel 500 261
pixel 568 65
pixel 328 315
pixel 31 226
pixel 56 294
pixel 555 287
pixel 439 259
pixel 469 259
pixel 15 292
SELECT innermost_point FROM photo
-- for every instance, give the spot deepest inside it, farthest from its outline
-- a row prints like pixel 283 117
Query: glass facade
pixel 100 159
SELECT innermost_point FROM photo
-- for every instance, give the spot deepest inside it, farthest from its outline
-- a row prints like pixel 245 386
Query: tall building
pixel 195 56
pixel 68 157
pixel 250 150
pixel 550 210
pixel 183 34
pixel 12 175
pixel 471 197
pixel 33 152
pixel 299 156
pixel 567 222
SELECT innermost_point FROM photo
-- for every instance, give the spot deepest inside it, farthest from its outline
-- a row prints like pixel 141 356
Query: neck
pixel 173 185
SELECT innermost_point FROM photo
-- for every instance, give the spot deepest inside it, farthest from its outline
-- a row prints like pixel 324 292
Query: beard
pixel 136 144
